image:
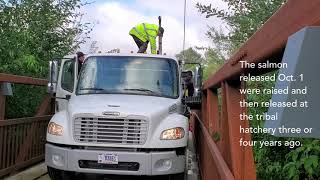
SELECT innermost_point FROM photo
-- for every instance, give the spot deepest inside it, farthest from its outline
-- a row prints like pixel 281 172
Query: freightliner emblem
pixel 111 113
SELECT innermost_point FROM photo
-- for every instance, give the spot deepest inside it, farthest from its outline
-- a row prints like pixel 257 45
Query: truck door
pixel 66 82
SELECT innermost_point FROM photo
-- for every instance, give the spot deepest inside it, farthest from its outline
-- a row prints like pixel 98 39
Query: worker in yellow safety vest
pixel 144 33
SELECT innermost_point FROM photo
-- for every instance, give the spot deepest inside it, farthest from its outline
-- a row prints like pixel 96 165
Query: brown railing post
pixel 1 144
pixel 204 114
pixel 213 111
pixel 2 106
pixel 247 152
pixel 225 140
pixel 242 163
pixel 213 127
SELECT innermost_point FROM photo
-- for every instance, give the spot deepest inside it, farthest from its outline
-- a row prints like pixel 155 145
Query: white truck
pixel 123 114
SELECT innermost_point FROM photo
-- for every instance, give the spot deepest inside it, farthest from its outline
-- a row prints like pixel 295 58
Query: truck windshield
pixel 129 75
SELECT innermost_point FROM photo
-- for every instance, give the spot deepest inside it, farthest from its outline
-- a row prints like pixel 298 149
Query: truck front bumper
pixel 130 163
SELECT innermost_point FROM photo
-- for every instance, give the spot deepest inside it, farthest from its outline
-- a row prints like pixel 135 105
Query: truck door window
pixel 67 79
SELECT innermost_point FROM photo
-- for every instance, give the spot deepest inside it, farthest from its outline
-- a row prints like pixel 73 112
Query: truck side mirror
pixel 197 81
pixel 53 76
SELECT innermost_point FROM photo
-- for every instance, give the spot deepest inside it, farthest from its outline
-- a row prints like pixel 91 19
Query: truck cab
pixel 121 114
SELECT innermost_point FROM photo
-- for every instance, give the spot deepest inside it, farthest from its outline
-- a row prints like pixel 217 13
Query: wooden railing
pixel 217 128
pixel 22 140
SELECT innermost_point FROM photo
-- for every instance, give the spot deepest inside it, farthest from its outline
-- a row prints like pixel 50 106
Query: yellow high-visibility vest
pixel 146 32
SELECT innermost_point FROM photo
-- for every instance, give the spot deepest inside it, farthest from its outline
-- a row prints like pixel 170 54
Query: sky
pixel 113 20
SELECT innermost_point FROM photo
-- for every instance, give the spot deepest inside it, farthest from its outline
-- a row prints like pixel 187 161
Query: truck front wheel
pixel 56 174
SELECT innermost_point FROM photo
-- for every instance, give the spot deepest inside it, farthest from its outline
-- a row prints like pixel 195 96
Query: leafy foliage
pixel 303 162
pixel 211 61
pixel 31 33
pixel 214 60
pixel 243 18
pixel 189 56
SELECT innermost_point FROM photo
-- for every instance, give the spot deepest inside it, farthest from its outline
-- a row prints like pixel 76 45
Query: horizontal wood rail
pixel 22 80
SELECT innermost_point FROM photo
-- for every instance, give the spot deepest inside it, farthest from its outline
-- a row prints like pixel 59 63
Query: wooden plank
pixel 13 142
pixel 1 144
pixel 2 106
pixel 224 128
pixel 213 111
pixel 211 171
pixel 290 18
pixel 204 113
pixel 247 157
pixel 243 167
pixel 24 120
pixel 4 147
pixel 18 140
pixel 8 147
pixel 22 80
pixel 208 165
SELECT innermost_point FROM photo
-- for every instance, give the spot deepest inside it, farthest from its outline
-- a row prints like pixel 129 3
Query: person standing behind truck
pixel 144 33
pixel 189 87
pixel 80 56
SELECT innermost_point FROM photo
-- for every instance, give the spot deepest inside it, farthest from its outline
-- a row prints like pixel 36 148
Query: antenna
pixel 160 38
pixel 184 31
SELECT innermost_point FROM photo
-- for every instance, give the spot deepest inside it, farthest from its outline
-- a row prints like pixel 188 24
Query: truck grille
pixel 113 131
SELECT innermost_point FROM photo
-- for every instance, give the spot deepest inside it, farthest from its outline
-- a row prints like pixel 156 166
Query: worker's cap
pixel 161 30
pixel 80 54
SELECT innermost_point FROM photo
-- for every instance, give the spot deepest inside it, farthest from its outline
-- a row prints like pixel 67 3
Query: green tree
pixel 214 60
pixel 243 18
pixel 211 61
pixel 189 56
pixel 31 33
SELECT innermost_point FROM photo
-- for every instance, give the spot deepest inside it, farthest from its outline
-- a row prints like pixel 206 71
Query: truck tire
pixel 57 174
pixel 179 176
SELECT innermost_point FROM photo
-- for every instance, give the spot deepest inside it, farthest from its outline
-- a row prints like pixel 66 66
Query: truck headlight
pixel 55 129
pixel 172 134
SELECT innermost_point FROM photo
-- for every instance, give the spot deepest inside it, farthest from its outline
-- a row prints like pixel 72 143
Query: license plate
pixel 108 158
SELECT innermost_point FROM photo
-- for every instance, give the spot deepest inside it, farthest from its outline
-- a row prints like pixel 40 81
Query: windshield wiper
pixel 141 89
